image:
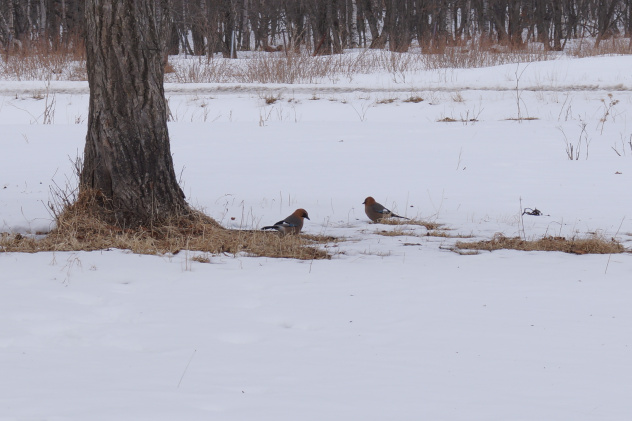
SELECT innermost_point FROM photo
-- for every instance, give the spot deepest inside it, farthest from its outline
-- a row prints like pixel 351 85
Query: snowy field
pixel 392 327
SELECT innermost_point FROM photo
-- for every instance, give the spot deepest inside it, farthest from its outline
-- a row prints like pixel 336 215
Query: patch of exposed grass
pixel 465 120
pixel 201 258
pixel 442 233
pixel 78 227
pixel 593 244
pixel 271 99
pixel 462 252
pixel 397 232
pixel 522 118
pixel 429 225
pixel 415 99
pixel 445 234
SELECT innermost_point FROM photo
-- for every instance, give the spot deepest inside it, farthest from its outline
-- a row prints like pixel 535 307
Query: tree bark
pixel 127 158
pixel 353 25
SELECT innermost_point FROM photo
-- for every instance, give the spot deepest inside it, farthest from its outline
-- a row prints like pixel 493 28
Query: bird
pixel 376 211
pixel 290 225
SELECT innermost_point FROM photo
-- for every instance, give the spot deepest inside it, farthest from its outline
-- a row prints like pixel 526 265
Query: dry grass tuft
pixel 397 232
pixel 80 227
pixel 271 99
pixel 402 231
pixel 201 258
pixel 522 118
pixel 414 99
pixel 594 244
pixel 399 221
pixel 403 228
pixel 446 234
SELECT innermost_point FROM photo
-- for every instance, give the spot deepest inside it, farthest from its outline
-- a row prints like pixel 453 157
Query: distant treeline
pixel 202 27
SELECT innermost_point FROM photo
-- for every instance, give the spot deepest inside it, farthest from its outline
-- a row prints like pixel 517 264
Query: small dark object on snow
pixel 532 212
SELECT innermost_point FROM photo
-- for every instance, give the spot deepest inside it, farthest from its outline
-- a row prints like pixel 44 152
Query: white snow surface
pixel 391 328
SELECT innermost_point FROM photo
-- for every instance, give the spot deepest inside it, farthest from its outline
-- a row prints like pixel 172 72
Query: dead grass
pixel 414 99
pixel 397 232
pixel 271 99
pixel 403 229
pixel 463 120
pixel 429 225
pixel 481 52
pixel 522 118
pixel 446 234
pixel 201 258
pixel 593 244
pixel 38 61
pixel 412 233
pixel 78 227
pixel 613 46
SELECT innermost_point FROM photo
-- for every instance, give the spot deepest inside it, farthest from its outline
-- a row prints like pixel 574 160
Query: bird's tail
pixel 398 216
pixel 271 227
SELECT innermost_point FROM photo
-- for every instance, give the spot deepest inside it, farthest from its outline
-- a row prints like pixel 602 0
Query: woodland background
pixel 206 27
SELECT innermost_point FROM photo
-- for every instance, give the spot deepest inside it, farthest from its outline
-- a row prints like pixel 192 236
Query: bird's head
pixel 369 201
pixel 301 213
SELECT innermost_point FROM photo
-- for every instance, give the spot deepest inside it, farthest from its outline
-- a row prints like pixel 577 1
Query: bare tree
pixel 127 158
pixel 606 22
pixel 353 25
pixel 328 26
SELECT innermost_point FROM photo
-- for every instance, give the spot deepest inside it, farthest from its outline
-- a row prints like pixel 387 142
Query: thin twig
pixel 186 368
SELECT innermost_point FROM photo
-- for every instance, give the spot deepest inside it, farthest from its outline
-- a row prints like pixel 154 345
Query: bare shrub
pixel 200 70
pixel 37 60
pixel 293 67
pixel 480 52
pixel 573 150
pixel 585 47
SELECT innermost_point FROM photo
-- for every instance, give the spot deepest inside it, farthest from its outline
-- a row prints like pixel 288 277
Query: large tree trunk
pixel 127 159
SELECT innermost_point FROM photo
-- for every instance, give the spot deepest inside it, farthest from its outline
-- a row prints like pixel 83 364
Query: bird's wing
pixel 380 209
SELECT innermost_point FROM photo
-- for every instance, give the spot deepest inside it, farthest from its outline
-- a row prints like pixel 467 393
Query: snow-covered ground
pixel 393 327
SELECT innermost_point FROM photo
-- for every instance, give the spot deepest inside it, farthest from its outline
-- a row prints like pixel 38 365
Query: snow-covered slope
pixel 394 327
